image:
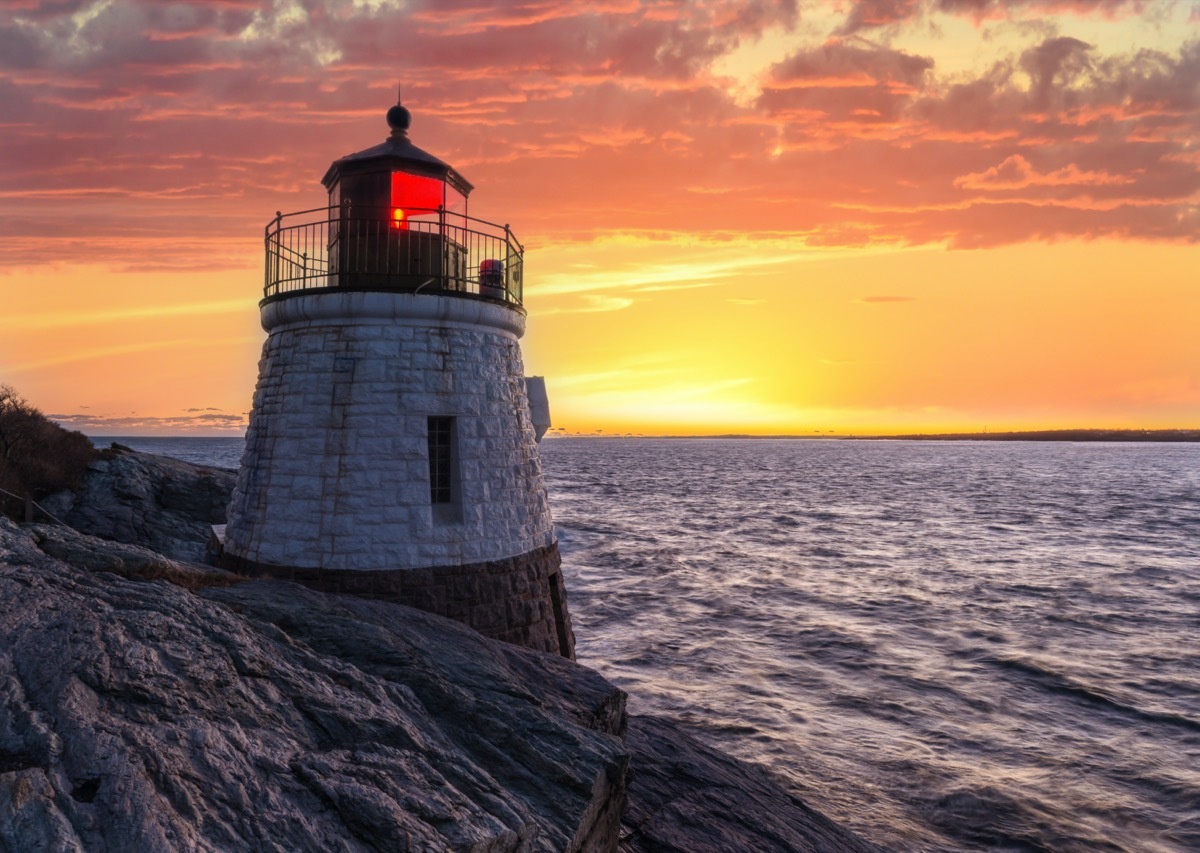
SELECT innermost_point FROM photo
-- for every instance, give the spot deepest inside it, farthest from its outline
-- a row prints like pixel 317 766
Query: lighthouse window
pixel 441 467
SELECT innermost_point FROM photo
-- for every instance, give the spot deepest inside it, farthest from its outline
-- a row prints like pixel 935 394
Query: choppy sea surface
pixel 942 645
pixel 221 452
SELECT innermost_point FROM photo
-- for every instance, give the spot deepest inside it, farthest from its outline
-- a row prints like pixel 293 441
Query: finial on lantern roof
pixel 399 118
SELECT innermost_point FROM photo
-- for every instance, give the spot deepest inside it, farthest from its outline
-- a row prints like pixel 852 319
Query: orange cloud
pixel 1017 173
pixel 159 136
pixel 872 14
pixel 208 422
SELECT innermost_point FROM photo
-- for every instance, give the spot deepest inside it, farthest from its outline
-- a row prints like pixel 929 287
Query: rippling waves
pixel 946 646
pixel 223 452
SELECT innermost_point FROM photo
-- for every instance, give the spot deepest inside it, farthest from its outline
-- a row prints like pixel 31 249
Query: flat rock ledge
pixel 164 504
pixel 685 796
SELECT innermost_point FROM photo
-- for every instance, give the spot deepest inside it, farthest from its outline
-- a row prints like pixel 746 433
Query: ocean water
pixel 944 646
pixel 219 452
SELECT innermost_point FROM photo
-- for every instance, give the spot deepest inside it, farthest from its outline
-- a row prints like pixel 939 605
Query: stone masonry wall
pixel 336 474
pixel 520 600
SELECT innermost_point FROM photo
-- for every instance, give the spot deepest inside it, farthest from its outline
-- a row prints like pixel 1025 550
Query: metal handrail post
pixel 507 263
pixel 267 247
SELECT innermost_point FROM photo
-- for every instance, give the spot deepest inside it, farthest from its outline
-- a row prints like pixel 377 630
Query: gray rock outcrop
pixel 164 504
pixel 136 715
pixel 685 796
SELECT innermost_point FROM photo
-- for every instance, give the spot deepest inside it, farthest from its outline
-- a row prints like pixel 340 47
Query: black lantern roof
pixel 396 152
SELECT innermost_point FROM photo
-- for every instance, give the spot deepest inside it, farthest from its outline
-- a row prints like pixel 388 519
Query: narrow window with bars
pixel 441 462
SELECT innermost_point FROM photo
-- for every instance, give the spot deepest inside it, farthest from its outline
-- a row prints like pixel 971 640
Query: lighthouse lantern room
pixel 392 448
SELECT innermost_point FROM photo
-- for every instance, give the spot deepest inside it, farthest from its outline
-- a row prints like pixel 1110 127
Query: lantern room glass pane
pixel 456 202
pixel 416 196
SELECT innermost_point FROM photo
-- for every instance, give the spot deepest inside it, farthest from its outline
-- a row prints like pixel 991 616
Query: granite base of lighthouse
pixel 520 600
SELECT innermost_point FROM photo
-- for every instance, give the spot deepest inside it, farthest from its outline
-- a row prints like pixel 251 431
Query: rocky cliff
pixel 150 703
pixel 161 503
pixel 139 715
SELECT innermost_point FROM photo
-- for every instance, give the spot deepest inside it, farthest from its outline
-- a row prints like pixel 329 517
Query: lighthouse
pixel 392 449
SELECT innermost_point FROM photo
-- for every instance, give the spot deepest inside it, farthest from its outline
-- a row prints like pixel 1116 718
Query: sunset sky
pixel 868 216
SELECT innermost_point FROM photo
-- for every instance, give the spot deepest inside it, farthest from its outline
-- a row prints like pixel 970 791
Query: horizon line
pixel 1062 433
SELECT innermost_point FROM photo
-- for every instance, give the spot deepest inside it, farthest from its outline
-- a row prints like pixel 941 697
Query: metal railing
pixel 29 505
pixel 360 248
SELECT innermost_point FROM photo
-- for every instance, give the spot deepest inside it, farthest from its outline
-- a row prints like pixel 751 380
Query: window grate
pixel 440 437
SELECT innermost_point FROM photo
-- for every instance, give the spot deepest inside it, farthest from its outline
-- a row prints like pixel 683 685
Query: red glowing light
pixel 414 195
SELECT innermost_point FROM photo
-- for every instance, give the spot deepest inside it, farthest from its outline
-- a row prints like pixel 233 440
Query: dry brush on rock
pixel 37 456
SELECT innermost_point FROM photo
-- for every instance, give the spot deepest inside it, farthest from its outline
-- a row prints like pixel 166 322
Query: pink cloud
pixel 1017 173
pixel 188 125
pixel 866 14
pixel 209 421
pixel 861 62
pixel 871 14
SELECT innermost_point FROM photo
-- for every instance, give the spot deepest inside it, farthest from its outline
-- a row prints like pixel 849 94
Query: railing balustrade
pixel 358 248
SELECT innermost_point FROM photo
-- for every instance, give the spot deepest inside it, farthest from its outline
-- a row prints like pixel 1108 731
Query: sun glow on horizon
pixel 843 217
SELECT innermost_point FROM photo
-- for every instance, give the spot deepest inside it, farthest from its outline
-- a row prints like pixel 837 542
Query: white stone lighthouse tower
pixel 391 450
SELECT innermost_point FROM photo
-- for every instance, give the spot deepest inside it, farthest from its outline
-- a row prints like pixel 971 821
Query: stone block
pixel 487 618
pixel 516 613
pixel 307 486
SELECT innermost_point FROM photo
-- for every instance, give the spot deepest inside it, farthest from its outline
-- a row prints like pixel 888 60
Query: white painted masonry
pixel 336 473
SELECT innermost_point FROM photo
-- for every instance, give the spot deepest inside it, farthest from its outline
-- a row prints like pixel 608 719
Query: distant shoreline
pixel 1125 435
pixel 1157 435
